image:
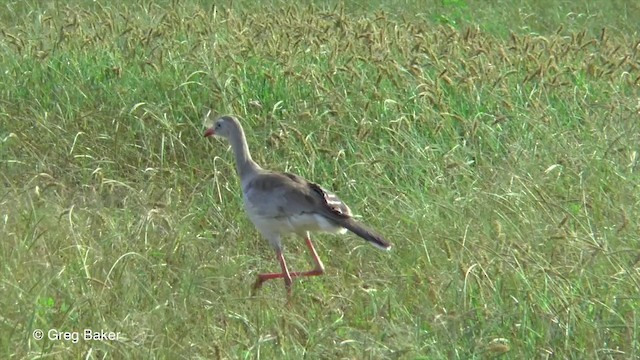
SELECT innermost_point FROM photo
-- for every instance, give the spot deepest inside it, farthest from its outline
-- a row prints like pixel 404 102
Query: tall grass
pixel 496 146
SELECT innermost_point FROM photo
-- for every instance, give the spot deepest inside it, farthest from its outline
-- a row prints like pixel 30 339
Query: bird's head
pixel 224 126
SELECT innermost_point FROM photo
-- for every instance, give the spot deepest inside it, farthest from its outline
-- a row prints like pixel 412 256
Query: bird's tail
pixel 367 234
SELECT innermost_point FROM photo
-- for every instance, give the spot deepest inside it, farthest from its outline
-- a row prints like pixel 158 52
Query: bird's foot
pixel 257 285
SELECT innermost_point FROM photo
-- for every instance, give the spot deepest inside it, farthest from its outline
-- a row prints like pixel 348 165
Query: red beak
pixel 210 131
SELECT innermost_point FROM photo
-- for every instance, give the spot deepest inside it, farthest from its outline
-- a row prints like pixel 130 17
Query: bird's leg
pixel 268 276
pixel 285 273
pixel 319 270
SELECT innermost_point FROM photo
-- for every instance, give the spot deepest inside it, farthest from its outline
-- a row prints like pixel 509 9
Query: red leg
pixel 286 275
pixel 268 276
pixel 319 270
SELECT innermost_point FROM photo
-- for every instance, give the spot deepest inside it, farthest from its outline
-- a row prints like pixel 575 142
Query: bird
pixel 281 204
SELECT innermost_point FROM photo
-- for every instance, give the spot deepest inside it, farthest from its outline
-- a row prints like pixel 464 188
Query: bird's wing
pixel 276 195
pixel 283 195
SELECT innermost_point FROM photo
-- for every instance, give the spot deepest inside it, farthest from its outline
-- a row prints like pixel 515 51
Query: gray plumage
pixel 281 203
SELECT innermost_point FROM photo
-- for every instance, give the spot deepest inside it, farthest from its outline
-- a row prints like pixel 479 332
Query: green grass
pixel 494 143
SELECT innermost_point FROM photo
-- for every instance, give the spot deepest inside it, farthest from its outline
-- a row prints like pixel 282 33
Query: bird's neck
pixel 244 163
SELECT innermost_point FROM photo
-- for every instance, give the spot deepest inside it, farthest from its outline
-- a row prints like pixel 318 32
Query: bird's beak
pixel 210 131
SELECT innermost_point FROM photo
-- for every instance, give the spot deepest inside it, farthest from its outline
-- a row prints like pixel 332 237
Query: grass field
pixel 496 144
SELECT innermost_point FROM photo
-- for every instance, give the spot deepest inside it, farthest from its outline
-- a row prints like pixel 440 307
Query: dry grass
pixel 500 159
